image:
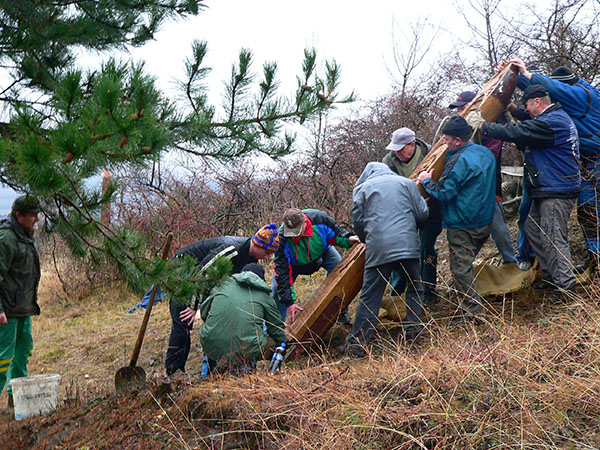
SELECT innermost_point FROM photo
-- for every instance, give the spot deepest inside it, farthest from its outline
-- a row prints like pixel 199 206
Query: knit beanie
pixel 457 126
pixel 256 269
pixel 267 237
pixel 564 74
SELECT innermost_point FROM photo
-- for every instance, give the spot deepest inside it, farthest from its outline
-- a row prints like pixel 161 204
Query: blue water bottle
pixel 277 358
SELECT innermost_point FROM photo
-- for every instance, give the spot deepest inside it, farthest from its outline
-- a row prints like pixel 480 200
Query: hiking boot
pixel 431 298
pixel 544 285
pixel 354 348
pixel 412 334
pixel 343 319
pixel 590 262
pixel 525 265
pixel 561 296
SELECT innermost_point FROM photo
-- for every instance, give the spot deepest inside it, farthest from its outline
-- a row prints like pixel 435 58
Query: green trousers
pixel 16 346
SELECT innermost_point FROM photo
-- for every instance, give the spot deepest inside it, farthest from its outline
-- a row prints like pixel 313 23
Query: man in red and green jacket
pixel 306 241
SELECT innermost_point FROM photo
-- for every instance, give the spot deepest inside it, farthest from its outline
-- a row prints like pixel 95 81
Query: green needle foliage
pixel 62 125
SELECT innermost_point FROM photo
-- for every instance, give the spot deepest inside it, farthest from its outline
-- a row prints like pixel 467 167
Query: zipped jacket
pixel 386 209
pixel 19 270
pixel 551 147
pixel 234 314
pixel 304 255
pixel 467 187
pixel 581 102
pixel 206 251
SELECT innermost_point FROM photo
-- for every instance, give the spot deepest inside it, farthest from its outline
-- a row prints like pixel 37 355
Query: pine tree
pixel 64 125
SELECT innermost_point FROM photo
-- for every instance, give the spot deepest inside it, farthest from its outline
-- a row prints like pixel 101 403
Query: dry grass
pixel 527 377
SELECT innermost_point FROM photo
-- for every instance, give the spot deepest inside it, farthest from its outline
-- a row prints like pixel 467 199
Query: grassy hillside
pixel 528 376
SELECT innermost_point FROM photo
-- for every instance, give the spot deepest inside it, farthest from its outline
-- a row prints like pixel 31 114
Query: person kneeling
pixel 233 314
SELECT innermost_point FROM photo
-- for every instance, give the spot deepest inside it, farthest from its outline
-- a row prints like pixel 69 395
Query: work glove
pixel 474 119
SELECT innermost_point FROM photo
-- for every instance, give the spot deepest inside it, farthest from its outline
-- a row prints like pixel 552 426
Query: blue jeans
pixel 330 259
pixel 523 248
pixel 428 234
pixel 501 236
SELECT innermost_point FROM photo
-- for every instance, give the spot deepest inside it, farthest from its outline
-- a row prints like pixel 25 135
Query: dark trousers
pixel 464 245
pixel 428 236
pixel 179 340
pixel 374 283
pixel 547 229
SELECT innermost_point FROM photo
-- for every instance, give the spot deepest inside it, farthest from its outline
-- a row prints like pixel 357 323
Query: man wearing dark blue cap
pixel 466 190
pixel 581 101
pixel 552 178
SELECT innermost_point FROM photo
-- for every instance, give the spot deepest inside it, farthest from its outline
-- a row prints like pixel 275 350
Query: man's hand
pixel 521 66
pixel 474 119
pixel 354 239
pixel 424 175
pixel 3 319
pixel 291 310
pixel 188 315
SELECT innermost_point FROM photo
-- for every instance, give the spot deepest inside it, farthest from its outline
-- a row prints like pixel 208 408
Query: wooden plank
pixel 492 99
pixel 326 304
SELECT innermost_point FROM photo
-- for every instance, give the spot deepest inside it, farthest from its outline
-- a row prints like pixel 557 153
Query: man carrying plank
pixel 552 179
pixel 467 191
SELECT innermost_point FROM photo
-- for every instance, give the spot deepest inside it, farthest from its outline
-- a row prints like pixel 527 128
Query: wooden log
pixel 328 301
pixel 492 99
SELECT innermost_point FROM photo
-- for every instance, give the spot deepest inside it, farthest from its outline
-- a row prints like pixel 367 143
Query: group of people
pixel 557 128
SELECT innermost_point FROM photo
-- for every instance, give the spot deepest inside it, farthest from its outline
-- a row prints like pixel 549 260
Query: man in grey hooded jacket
pixel 386 210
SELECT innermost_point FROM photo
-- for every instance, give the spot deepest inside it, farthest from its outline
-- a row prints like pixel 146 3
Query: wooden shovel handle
pixel 140 339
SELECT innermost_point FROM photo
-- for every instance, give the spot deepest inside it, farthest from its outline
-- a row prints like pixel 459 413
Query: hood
pixel 252 280
pixel 372 170
pixel 6 222
pixel 21 233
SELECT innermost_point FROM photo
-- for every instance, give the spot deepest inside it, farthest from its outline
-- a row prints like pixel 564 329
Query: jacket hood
pixel 372 170
pixel 6 222
pixel 252 280
pixel 22 234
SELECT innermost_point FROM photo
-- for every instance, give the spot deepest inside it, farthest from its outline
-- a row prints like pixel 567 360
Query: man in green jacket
pixel 19 279
pixel 234 314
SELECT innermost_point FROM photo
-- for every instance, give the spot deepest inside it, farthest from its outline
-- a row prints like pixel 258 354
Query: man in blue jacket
pixel 467 191
pixel 581 101
pixel 552 180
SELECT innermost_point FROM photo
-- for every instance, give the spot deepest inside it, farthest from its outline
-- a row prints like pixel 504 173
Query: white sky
pixel 357 34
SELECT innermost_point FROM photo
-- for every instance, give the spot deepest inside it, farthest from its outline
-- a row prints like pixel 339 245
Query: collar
pixel 546 109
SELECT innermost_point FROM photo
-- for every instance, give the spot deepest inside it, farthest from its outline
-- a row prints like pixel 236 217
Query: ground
pixel 528 375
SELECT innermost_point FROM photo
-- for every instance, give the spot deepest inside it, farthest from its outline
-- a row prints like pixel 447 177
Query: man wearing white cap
pixel 405 153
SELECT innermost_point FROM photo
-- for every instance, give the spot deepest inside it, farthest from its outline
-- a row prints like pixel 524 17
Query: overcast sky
pixel 357 34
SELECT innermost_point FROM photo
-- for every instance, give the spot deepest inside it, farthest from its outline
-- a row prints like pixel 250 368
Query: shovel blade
pixel 129 378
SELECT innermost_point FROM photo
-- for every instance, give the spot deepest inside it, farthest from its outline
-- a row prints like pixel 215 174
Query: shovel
pixel 133 377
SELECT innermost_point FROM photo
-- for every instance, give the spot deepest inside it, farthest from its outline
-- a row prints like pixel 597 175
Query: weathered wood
pixel 329 300
pixel 492 99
